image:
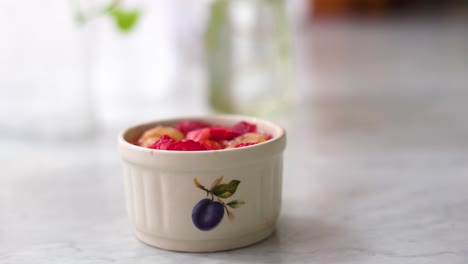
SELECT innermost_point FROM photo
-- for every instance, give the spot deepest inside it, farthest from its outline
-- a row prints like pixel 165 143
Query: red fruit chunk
pixel 212 133
pixel 244 127
pixel 211 144
pixel 163 142
pixel 186 126
pixel 199 134
pixel 245 144
pixel 222 133
pixel 187 145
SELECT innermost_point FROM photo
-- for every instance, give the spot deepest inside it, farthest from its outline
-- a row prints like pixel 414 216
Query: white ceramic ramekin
pixel 161 193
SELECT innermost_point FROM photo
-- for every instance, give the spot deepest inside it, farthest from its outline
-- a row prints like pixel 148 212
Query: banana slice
pixel 247 137
pixel 150 136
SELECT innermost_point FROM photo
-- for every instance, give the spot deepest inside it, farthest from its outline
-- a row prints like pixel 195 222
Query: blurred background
pixel 373 94
pixel 72 68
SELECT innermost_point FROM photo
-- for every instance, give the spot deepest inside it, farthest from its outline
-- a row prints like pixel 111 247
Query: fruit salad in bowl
pixel 196 135
pixel 202 184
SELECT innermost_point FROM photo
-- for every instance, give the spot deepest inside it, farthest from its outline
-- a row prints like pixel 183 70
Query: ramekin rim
pixel 124 142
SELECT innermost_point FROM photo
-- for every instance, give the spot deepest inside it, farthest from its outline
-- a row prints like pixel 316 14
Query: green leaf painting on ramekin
pixel 226 190
pixel 235 203
pixel 208 213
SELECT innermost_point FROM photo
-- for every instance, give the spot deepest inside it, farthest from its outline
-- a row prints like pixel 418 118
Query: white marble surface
pixel 376 170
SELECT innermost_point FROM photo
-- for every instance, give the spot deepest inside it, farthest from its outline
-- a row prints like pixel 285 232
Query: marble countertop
pixel 376 170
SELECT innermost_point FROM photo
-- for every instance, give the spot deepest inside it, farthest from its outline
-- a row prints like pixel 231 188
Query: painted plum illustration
pixel 208 213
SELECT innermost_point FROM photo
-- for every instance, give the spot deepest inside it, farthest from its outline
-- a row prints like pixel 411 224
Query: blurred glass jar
pixel 248 48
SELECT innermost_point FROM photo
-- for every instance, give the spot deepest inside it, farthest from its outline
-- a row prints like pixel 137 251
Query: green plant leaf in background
pixel 226 190
pixel 80 18
pixel 235 203
pixel 125 20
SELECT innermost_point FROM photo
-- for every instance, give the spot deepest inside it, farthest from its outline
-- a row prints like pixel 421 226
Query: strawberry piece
pixel 245 144
pixel 186 126
pixel 199 134
pixel 222 133
pixel 244 127
pixel 186 145
pixel 212 133
pixel 163 142
pixel 211 144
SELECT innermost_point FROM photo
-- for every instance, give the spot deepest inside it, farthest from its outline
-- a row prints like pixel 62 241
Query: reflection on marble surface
pixel 375 171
